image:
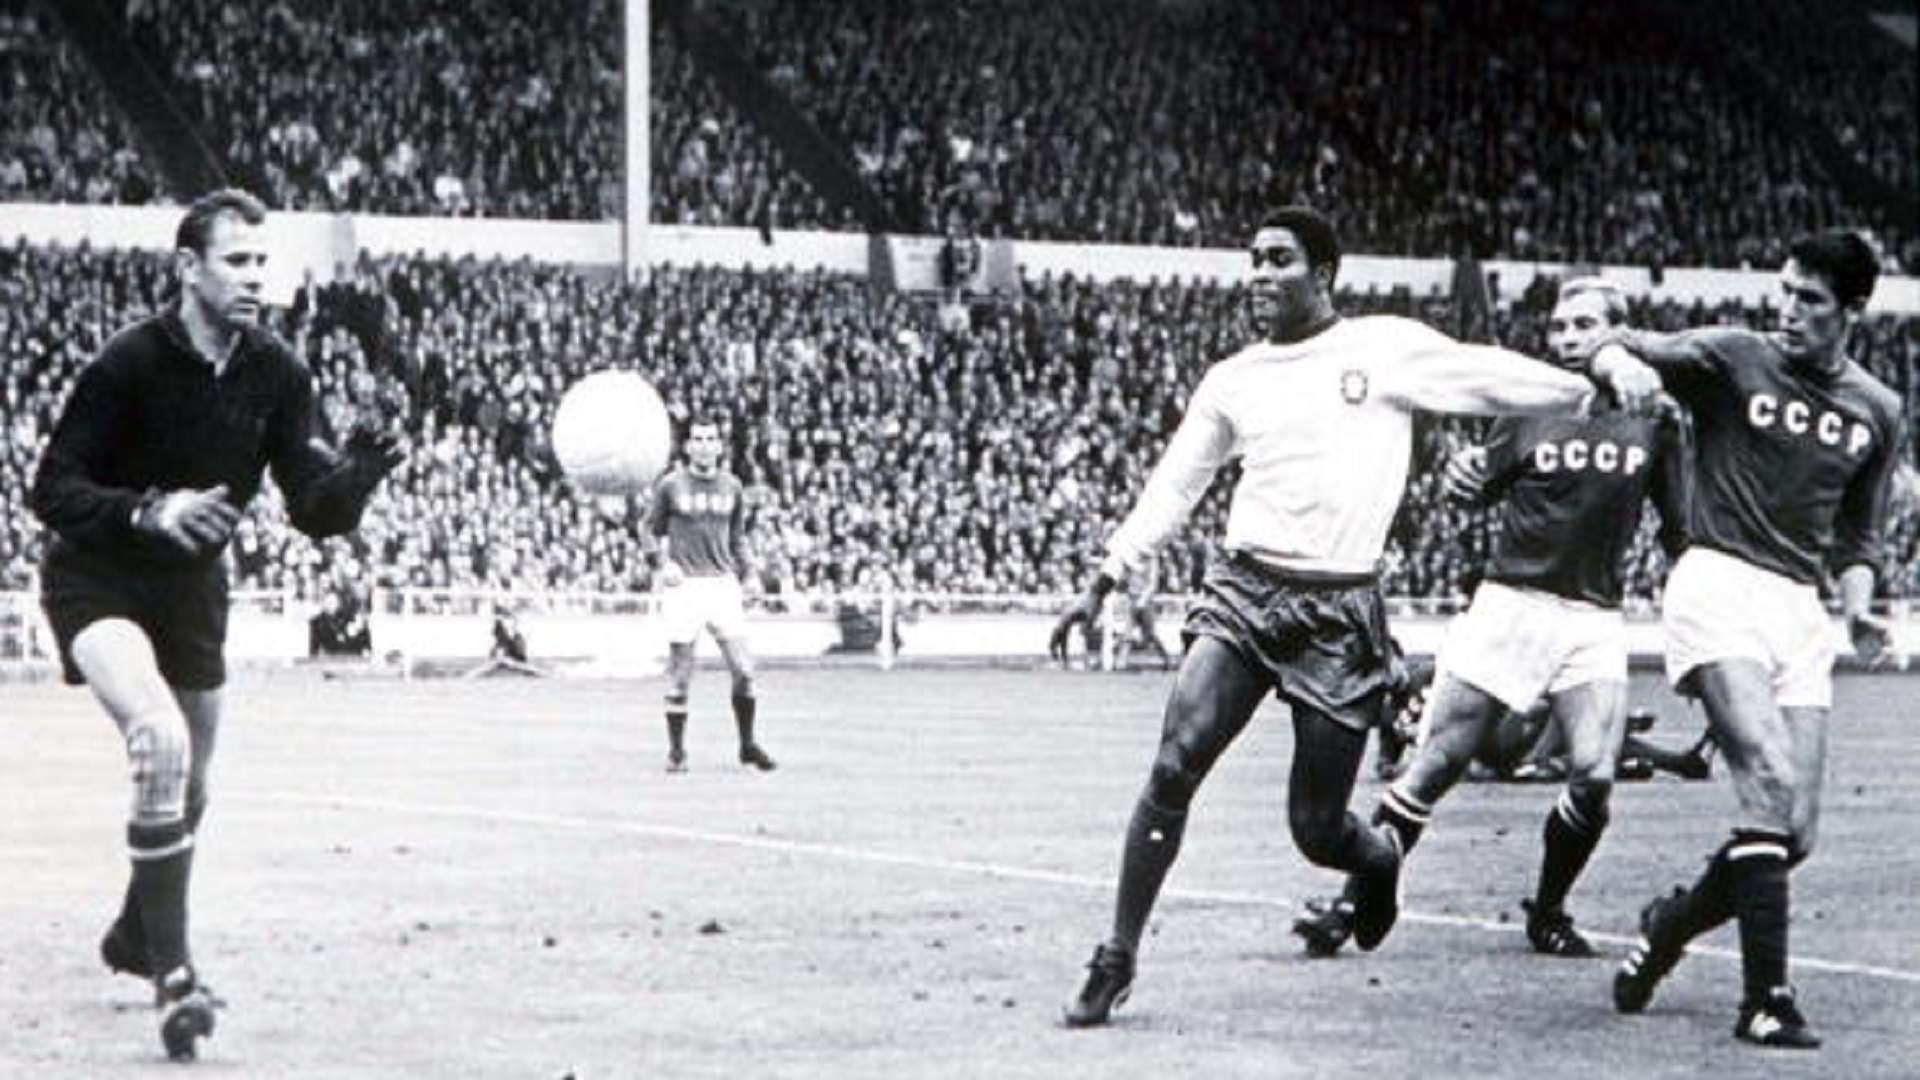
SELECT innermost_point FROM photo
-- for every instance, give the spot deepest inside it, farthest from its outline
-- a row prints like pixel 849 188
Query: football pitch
pixel 497 879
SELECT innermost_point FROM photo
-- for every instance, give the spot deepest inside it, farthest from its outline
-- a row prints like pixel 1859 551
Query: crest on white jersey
pixel 1353 386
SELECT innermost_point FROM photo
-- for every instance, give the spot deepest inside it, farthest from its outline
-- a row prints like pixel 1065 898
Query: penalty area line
pixel 958 866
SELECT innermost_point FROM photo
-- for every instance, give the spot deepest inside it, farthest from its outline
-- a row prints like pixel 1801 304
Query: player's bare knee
pixel 159 759
pixel 1591 799
pixel 1171 784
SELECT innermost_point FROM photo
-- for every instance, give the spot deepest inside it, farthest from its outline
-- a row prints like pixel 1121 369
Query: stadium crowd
pixel 1550 130
pixel 60 141
pixel 879 448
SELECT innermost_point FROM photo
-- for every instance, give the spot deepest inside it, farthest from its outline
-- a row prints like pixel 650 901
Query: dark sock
pixel 743 710
pixel 1153 842
pixel 676 730
pixel 1709 903
pixel 1572 830
pixel 1760 899
pixel 1405 815
pixel 162 862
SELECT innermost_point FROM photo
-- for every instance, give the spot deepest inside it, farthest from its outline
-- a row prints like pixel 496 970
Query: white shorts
pixel 1517 644
pixel 1718 607
pixel 711 602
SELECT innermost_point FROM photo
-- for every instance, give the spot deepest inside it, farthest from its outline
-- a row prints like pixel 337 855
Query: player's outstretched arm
pixel 328 491
pixel 1438 374
pixel 1682 361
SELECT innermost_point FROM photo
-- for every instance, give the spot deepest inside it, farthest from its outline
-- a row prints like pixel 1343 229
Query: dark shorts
pixel 184 614
pixel 1323 641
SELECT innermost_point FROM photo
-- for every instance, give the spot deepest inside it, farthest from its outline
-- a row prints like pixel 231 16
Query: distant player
pixel 1797 447
pixel 1546 620
pixel 699 515
pixel 1127 615
pixel 158 449
pixel 1320 417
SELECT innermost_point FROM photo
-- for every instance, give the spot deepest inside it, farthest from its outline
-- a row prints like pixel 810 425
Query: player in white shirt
pixel 1320 417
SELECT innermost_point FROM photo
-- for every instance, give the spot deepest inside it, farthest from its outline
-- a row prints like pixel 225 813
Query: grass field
pixel 480 879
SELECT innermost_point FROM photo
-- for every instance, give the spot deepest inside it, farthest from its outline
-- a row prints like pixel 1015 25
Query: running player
pixel 1320 416
pixel 158 449
pixel 1545 621
pixel 1797 448
pixel 699 515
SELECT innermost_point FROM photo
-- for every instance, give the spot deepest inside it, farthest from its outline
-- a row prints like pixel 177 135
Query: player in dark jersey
pixel 1797 445
pixel 699 515
pixel 1545 621
pixel 158 449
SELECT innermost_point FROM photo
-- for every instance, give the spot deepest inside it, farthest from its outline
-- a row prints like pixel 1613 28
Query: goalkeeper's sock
pixel 744 708
pixel 676 729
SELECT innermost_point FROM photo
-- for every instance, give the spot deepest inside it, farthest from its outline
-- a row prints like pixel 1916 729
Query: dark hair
pixel 704 419
pixel 1843 259
pixel 198 224
pixel 1314 232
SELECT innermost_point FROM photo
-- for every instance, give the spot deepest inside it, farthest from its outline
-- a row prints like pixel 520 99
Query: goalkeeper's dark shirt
pixel 1573 491
pixel 1794 467
pixel 148 414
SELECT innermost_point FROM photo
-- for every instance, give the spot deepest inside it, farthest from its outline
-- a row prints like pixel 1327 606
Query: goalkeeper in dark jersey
pixel 1546 620
pixel 160 446
pixel 1797 449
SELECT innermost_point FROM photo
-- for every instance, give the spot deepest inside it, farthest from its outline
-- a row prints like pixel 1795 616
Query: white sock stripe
pixel 1575 818
pixel 1758 849
pixel 1407 806
pixel 152 854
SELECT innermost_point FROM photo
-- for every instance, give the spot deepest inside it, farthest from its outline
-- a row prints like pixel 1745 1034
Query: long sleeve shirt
pixel 150 414
pixel 1323 431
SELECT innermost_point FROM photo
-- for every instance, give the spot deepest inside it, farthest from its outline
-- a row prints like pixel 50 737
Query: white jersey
pixel 1323 431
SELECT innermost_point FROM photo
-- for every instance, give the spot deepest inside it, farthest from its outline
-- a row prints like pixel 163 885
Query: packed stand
pixel 1854 79
pixel 1543 131
pixel 1529 134
pixel 61 141
pixel 453 107
pixel 878 448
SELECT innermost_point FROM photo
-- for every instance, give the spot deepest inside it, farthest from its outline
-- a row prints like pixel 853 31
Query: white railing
pixel 417 630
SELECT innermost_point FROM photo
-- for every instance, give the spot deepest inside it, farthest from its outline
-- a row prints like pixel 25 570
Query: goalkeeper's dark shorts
pixel 1321 639
pixel 183 613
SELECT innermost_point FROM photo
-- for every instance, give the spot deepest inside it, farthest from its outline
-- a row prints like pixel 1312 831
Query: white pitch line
pixel 965 866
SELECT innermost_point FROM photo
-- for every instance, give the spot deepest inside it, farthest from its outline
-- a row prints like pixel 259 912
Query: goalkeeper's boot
pixel 755 758
pixel 1109 983
pixel 186 1012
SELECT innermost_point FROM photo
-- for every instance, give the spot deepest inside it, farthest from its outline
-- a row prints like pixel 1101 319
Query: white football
pixel 612 434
